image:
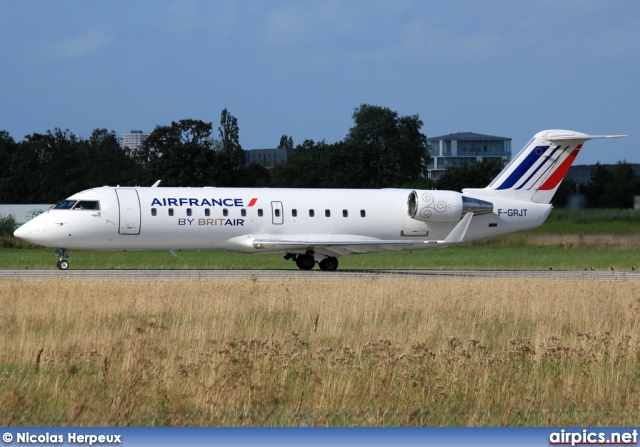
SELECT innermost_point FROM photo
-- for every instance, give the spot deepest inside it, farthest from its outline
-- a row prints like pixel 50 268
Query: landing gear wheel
pixel 63 264
pixel 329 264
pixel 305 262
pixel 63 256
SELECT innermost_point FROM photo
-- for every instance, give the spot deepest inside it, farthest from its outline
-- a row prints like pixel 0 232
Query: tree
pixel 179 154
pixel 8 157
pixel 611 187
pixel 256 175
pixel 306 167
pixel 566 194
pixel 229 156
pixel 387 149
pixel 107 162
pixel 286 142
pixel 59 162
pixel 469 175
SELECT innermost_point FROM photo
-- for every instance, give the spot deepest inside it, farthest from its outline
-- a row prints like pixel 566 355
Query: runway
pixel 313 275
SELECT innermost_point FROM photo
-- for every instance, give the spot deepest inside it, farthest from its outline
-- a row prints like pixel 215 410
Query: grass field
pixel 565 253
pixel 410 352
pixel 471 352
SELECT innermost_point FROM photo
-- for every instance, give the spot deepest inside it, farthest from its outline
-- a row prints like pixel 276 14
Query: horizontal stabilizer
pixel 536 172
pixel 577 137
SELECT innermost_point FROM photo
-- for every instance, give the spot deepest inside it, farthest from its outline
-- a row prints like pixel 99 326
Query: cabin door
pixel 277 215
pixel 129 204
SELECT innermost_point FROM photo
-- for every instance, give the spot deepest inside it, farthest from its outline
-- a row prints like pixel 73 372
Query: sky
pixel 498 67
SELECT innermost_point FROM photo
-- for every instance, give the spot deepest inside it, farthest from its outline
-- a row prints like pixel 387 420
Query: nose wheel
pixel 63 255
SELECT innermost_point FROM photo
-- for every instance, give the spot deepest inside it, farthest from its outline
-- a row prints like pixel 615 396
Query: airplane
pixel 310 226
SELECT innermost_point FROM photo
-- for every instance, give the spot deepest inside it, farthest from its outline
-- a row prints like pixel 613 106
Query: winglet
pixel 457 234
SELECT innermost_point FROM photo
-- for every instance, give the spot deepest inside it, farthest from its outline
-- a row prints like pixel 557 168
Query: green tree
pixel 7 225
pixel 107 163
pixel 9 155
pixel 305 168
pixel 599 178
pixel 229 156
pixel 387 149
pixel 179 154
pixel 382 149
pixel 256 175
pixel 567 190
pixel 611 187
pixel 469 175
pixel 622 190
pixel 59 165
pixel 286 142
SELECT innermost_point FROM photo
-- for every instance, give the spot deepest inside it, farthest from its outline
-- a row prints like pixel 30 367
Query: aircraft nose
pixel 20 232
pixel 30 231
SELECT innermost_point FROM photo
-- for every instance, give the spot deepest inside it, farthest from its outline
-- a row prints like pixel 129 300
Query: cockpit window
pixel 66 205
pixel 87 205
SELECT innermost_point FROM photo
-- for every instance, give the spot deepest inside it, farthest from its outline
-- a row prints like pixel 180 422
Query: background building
pixel 465 147
pixel 267 157
pixel 134 139
pixel 23 213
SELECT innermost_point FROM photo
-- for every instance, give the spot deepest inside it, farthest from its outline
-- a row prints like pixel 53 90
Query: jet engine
pixel 444 206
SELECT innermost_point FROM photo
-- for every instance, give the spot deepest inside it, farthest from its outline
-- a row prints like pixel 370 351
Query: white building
pixel 134 139
pixel 465 147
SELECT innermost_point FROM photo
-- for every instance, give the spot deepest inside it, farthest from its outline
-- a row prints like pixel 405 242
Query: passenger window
pixel 327 213
pixel 345 213
pixel 170 211
pixel 225 212
pixel 207 212
pixel 189 212
pixel 243 212
pixel 294 213
pixel 363 213
pixel 277 212
pixel 312 213
pixel 87 205
pixel 260 213
pixel 154 212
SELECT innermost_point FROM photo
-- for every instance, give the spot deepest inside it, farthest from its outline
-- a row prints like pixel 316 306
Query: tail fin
pixel 535 173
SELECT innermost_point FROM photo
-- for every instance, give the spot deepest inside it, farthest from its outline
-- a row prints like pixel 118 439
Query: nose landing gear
pixel 63 255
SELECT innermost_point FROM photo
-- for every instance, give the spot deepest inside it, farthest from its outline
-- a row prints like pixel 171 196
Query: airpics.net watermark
pixel 591 437
pixel 69 438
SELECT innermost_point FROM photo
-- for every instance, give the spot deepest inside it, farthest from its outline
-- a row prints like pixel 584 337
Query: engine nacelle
pixel 444 206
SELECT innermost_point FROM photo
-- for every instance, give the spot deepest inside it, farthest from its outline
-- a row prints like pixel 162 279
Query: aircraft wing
pixel 341 248
pixel 329 244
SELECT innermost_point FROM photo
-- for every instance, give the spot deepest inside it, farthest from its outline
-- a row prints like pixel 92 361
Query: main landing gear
pixel 63 255
pixel 307 261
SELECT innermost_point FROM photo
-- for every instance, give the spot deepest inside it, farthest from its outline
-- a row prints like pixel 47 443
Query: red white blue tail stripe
pixel 536 172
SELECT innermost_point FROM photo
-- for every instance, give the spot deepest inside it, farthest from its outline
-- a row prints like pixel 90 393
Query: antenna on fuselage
pixel 155 185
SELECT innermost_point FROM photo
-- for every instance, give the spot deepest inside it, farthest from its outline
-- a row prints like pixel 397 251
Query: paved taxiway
pixel 272 275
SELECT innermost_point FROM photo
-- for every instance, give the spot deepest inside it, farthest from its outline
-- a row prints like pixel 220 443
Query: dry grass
pixel 614 242
pixel 372 353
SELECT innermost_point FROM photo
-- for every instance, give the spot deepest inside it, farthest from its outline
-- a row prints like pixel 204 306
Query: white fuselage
pixel 232 218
